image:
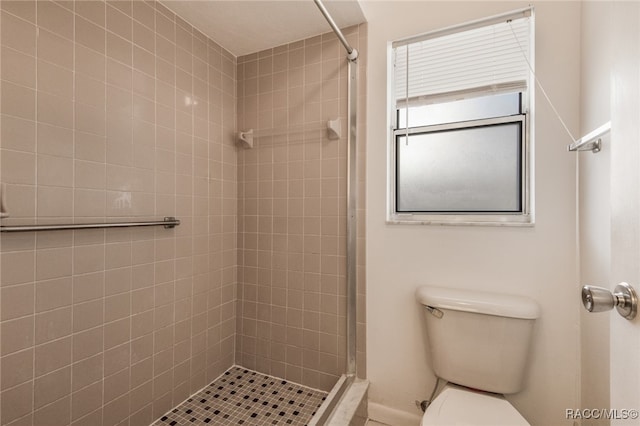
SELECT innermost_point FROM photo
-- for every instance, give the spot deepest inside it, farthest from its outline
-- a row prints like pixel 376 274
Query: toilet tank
pixel 478 339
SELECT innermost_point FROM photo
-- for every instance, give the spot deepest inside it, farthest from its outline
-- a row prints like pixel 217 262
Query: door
pixel 625 202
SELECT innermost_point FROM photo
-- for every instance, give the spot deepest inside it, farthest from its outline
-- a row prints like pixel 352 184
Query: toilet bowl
pixel 457 405
pixel 479 344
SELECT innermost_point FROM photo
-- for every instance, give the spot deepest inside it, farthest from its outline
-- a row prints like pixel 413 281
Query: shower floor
pixel 245 397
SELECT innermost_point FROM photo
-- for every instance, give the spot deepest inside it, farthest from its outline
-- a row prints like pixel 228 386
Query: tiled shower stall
pixel 292 211
pixel 121 110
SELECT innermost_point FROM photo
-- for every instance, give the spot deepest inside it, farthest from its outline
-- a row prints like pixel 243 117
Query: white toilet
pixel 479 344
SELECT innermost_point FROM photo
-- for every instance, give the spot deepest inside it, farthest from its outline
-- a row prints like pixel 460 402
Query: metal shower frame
pixel 352 195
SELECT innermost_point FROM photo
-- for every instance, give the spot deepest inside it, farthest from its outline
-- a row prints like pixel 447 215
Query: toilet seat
pixel 459 406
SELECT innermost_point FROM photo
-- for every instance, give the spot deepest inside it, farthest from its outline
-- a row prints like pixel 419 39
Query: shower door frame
pixel 352 205
pixel 352 190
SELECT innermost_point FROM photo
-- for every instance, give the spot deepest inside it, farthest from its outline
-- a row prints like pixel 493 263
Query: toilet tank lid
pixel 481 302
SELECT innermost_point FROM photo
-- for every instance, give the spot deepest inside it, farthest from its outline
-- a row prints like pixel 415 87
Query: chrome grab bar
pixel 168 223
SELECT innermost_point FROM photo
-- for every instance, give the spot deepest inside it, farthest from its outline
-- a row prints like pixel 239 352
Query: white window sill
pixel 462 220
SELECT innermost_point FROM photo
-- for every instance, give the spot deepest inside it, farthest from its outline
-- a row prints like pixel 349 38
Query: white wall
pixel 540 262
pixel 594 208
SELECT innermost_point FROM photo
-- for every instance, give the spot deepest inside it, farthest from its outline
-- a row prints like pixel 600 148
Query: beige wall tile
pixel 18 167
pixel 55 18
pixel 86 400
pixel 88 287
pixel 54 202
pixel 116 359
pixel 118 22
pixel 23 9
pixel 117 410
pixel 17 334
pixel 91 419
pixel 116 385
pixel 123 6
pixel 18 34
pixel 89 119
pixel 16 368
pixel 55 414
pixel 16 402
pixel 87 343
pixel 88 315
pixel 165 25
pixel 118 280
pixel 142 324
pixel 55 110
pixel 116 333
pixel 89 63
pixel 52 356
pixel 89 35
pixel 119 49
pixel 93 11
pixel 55 140
pixel 117 307
pixel 51 387
pixel 18 134
pixel 55 49
pixel 142 348
pixel 55 171
pixel 89 174
pixel 144 13
pixel 86 372
pixel 88 259
pixel 17 301
pixel 52 325
pixel 117 255
pixel 18 101
pixel 144 61
pixel 17 267
pixel 90 147
pixel 89 91
pixel 18 68
pixel 118 74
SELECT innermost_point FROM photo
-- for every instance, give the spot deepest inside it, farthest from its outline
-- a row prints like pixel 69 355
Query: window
pixel 460 121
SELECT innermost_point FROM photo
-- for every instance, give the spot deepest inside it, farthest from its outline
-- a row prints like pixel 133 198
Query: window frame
pixel 525 217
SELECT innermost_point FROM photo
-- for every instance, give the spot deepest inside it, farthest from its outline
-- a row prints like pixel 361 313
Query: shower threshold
pixel 244 397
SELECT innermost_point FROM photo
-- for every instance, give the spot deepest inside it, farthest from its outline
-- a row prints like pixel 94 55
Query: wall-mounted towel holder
pixel 592 141
pixel 334 132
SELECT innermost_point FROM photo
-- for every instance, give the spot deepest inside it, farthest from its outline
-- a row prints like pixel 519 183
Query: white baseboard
pixel 391 416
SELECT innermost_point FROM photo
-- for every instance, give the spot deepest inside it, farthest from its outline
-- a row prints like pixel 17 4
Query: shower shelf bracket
pixel 3 201
pixel 246 138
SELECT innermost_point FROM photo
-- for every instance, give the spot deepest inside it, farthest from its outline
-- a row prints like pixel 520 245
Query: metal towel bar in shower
pixel 168 223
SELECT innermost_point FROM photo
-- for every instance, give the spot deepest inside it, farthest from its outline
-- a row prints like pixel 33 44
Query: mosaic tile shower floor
pixel 245 397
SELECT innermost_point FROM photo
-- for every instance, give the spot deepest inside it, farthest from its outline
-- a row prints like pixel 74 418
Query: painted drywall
pixel 539 261
pixel 594 213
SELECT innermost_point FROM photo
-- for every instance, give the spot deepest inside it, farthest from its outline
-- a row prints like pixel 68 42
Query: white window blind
pixel 492 57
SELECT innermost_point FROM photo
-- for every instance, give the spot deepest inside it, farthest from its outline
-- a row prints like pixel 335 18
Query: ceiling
pixel 248 26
